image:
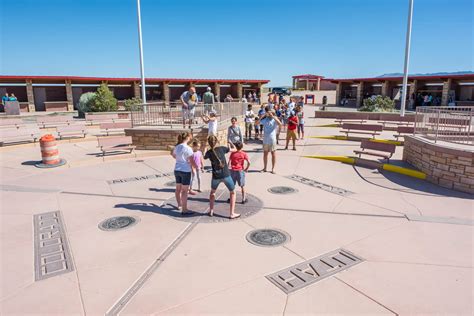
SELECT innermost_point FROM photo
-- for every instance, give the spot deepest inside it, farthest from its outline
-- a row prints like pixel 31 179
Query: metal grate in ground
pixel 320 185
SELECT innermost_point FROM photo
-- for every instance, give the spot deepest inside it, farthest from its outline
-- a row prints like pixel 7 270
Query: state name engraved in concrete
pixel 52 256
pixel 313 270
pixel 320 185
pixel 140 178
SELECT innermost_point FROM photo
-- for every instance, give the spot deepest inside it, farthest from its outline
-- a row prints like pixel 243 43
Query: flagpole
pixel 407 60
pixel 140 44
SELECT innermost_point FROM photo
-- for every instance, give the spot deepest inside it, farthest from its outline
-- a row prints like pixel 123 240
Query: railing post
pixel 469 140
pixel 437 125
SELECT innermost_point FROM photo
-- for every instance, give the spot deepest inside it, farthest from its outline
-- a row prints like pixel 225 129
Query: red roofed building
pixel 61 93
pixel 312 82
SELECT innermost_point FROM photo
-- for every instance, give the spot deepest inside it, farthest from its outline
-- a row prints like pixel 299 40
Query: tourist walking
pixel 189 101
pixel 234 134
pixel 291 131
pixel 249 121
pixel 199 166
pixel 208 99
pixel 270 125
pixel 237 169
pixel 300 115
pixel 183 154
pixel 220 174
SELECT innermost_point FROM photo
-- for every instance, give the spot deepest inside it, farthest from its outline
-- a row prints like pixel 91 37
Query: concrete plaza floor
pixel 415 239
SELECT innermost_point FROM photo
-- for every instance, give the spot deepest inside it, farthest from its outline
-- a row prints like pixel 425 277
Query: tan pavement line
pixel 334 213
pixel 423 264
pixel 113 196
pixel 370 298
pixel 137 285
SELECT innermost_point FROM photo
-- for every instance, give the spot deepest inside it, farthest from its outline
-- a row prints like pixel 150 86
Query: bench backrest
pixel 114 141
pixel 367 144
pixel 11 122
pixel 116 125
pixel 351 116
pixel 405 129
pixel 396 118
pixel 54 119
pixel 101 117
pixel 5 133
pixel 71 128
pixel 363 127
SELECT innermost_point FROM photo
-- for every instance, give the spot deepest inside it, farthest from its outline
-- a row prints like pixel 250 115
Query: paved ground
pixel 415 239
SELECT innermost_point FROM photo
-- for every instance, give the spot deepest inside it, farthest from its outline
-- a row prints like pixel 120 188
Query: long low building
pixel 61 93
pixel 444 89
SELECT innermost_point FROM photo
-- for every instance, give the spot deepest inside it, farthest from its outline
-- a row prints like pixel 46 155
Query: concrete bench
pixel 53 121
pixel 71 130
pixel 389 119
pixel 18 135
pixel 366 129
pixel 11 123
pixel 377 149
pixel 102 118
pixel 347 117
pixel 113 144
pixel 117 127
pixel 402 131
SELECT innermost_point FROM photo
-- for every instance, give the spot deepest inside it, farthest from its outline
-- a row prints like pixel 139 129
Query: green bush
pixel 133 104
pixel 378 104
pixel 104 100
pixel 85 102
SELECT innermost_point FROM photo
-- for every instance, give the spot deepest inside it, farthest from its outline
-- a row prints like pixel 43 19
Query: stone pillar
pixel 360 94
pixel 217 91
pixel 318 87
pixel 166 92
pixel 307 84
pixel 385 88
pixel 294 83
pixel 446 87
pixel 136 89
pixel 69 96
pixel 31 96
pixel 239 91
pixel 338 93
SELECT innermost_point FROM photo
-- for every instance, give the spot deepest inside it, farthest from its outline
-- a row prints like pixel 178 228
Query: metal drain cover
pixel 282 190
pixel 117 223
pixel 267 237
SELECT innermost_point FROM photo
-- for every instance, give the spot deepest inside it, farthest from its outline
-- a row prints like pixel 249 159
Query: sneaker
pixel 244 201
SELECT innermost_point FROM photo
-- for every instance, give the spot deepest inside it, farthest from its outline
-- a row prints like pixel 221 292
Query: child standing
pixel 257 128
pixel 237 168
pixel 249 121
pixel 300 115
pixel 199 166
pixel 211 121
pixel 291 132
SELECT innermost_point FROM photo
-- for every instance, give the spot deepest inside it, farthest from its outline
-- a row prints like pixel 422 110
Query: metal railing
pixel 170 114
pixel 450 124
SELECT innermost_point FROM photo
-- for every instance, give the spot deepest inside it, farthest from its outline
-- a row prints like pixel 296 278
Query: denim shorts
pixel 229 183
pixel 238 176
pixel 183 178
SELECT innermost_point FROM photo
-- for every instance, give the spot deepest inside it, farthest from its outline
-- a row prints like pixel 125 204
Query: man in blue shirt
pixel 189 101
pixel 270 126
pixel 5 98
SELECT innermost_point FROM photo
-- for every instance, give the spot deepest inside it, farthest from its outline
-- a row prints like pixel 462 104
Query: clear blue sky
pixel 268 39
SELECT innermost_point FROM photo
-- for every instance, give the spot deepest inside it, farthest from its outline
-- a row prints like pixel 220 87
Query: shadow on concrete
pixel 30 163
pixel 168 190
pixel 412 185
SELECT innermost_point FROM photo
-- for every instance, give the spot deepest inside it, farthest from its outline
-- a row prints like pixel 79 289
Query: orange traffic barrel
pixel 49 150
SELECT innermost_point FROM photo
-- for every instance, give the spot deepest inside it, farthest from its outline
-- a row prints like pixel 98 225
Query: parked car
pixel 281 91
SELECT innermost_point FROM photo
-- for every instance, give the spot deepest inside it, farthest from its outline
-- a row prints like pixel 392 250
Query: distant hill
pixel 398 74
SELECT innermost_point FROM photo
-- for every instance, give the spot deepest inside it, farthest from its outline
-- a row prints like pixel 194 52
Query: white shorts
pixel 188 114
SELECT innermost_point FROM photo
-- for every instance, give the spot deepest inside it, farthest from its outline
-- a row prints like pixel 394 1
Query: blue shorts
pixel 183 178
pixel 229 183
pixel 238 176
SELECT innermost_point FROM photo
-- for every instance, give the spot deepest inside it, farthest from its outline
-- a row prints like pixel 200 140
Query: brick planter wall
pixel 448 167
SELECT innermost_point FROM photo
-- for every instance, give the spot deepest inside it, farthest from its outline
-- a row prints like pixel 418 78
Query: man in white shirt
pixel 249 121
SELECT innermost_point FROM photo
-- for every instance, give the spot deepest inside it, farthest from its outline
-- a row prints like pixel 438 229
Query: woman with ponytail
pixel 220 173
pixel 182 170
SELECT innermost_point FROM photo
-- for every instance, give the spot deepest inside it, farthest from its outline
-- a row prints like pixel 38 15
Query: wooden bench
pixel 53 121
pixel 18 135
pixel 116 127
pixel 71 130
pixel 347 117
pixel 404 130
pixel 377 149
pixel 366 129
pixel 11 123
pixel 112 144
pixel 101 118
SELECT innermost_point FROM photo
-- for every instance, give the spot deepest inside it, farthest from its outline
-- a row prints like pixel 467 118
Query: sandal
pixel 235 216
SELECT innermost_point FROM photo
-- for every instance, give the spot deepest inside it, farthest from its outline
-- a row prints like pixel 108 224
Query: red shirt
pixel 292 123
pixel 237 160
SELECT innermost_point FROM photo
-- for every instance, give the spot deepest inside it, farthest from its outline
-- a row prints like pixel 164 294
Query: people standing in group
pixel 300 115
pixel 300 102
pixel 211 121
pixel 238 169
pixel 291 131
pixel 278 114
pixel 199 167
pixel 189 100
pixel 183 154
pixel 270 125
pixel 220 174
pixel 271 101
pixel 228 98
pixel 249 122
pixel 255 98
pixel 12 98
pixel 208 99
pixel 234 133
pixel 249 97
